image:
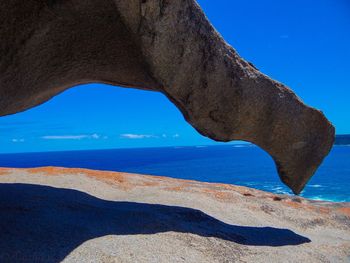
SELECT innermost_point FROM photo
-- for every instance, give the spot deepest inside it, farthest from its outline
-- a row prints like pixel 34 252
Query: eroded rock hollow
pixel 168 46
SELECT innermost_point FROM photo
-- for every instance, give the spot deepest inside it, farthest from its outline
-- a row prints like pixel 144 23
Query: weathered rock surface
pixel 48 46
pixel 75 215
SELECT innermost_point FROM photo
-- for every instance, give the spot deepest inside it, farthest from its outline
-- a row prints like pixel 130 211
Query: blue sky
pixel 302 43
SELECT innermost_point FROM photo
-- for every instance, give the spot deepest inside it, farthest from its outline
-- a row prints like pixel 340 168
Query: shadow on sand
pixel 44 224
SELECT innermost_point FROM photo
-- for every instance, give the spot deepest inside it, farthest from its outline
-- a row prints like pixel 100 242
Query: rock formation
pixel 48 46
pixel 53 215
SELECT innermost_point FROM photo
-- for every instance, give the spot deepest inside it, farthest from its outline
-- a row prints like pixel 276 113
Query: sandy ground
pixel 75 215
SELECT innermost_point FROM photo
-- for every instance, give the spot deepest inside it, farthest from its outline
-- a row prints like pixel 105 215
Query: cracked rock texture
pixel 169 46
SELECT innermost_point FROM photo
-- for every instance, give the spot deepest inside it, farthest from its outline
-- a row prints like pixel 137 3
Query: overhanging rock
pixel 168 46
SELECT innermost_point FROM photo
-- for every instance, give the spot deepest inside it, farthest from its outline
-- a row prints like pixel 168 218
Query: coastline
pixel 120 178
pixel 225 164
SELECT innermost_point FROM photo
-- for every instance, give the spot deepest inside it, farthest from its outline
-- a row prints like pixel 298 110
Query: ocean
pixel 245 165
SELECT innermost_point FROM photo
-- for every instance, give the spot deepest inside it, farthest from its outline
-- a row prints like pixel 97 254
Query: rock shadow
pixel 44 224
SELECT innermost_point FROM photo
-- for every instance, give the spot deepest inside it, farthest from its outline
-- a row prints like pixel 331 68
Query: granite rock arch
pixel 167 46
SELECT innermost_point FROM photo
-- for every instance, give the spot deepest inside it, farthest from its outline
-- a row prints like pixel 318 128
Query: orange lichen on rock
pixel 4 171
pixel 50 170
pixel 219 195
pixel 106 176
pixel 345 211
pixel 121 179
pixel 150 183
pixel 307 206
pixel 298 205
pixel 324 210
pixel 175 188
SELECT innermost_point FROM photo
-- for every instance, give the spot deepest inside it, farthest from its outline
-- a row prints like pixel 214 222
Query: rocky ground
pixel 75 215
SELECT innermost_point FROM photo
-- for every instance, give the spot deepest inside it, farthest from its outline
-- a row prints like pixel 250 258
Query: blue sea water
pixel 244 164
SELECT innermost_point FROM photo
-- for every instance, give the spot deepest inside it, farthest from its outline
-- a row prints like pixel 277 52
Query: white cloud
pixel 147 136
pixel 17 140
pixel 136 136
pixel 71 137
pixel 95 136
